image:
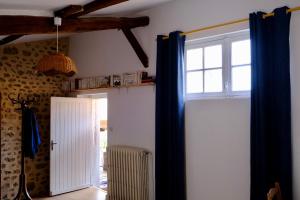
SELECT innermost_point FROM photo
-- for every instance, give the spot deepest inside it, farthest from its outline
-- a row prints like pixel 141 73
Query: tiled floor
pixel 86 194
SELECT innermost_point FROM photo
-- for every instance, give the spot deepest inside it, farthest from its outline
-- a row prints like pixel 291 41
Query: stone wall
pixel 17 75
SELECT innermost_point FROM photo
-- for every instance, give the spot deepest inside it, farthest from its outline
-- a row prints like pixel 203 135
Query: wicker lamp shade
pixel 57 63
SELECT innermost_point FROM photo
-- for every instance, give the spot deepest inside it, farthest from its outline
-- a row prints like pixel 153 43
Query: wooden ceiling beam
pixel 73 11
pixel 68 11
pixel 26 25
pixel 9 39
pixel 63 13
pixel 97 5
pixel 136 47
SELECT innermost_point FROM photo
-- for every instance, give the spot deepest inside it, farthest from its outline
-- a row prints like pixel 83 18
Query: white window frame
pixel 225 40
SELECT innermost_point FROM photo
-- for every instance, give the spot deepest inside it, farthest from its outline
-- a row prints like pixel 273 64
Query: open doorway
pixel 99 157
pixel 101 108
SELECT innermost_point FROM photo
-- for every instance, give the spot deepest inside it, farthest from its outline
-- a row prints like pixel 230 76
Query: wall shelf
pixel 103 89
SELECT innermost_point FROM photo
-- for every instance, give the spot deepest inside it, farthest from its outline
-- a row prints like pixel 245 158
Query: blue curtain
pixel 170 138
pixel 271 156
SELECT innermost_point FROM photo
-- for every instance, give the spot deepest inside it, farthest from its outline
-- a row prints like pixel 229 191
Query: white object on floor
pixel 85 194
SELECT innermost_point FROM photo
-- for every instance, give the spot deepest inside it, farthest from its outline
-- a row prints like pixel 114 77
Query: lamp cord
pixel 56 38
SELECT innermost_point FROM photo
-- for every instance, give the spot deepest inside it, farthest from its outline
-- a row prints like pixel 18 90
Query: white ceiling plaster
pixel 25 12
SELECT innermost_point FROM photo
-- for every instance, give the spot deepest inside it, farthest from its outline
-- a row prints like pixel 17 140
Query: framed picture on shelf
pixel 116 81
pixel 130 79
pixel 102 81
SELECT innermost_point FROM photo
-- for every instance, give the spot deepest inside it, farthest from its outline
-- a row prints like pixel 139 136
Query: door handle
pixel 52 144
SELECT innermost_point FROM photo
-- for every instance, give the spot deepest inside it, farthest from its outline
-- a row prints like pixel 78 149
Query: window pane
pixel 213 56
pixel 194 59
pixel 194 82
pixel 213 80
pixel 241 52
pixel 241 78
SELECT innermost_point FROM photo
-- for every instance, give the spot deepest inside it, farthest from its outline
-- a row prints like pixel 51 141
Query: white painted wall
pixel 217 131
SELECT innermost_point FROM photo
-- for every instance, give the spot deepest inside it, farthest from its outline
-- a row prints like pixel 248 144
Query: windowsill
pixel 217 97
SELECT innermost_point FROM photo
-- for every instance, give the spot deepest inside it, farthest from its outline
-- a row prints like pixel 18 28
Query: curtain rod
pixel 231 23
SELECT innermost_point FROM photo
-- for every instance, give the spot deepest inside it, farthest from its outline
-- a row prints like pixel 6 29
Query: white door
pixel 71 141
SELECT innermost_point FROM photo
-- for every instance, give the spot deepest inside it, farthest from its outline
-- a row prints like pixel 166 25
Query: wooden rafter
pixel 17 26
pixel 63 13
pixel 9 39
pixel 97 5
pixel 68 11
pixel 26 25
pixel 136 46
pixel 73 11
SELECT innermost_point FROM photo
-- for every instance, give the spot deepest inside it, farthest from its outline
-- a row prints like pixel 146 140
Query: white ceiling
pixel 46 8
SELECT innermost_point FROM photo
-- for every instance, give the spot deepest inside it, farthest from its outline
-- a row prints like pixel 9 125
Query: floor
pixel 86 194
pixel 103 179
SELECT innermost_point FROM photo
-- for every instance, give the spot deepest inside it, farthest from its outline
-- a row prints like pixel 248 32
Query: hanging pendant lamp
pixel 57 63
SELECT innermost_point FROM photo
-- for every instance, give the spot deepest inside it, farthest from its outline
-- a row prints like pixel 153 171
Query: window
pixel 219 66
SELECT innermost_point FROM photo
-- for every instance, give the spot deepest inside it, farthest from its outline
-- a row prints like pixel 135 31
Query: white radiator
pixel 128 173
